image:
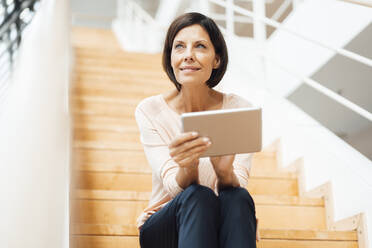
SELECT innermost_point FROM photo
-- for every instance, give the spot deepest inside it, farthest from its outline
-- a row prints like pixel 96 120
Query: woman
pixel 195 202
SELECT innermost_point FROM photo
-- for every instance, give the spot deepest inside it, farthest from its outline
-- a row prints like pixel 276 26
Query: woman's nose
pixel 188 56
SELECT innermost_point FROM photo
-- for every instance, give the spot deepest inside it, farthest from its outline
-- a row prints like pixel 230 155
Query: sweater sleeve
pixel 242 165
pixel 242 162
pixel 157 153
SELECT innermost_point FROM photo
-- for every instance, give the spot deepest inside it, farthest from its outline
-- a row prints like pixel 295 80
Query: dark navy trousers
pixel 198 218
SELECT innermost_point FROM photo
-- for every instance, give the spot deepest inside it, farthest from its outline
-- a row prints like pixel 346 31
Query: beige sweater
pixel 159 125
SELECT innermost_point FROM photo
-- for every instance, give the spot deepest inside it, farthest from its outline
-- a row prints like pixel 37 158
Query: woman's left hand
pixel 222 164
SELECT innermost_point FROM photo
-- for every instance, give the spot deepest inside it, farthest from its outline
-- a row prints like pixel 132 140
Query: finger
pixel 187 145
pixel 197 149
pixel 187 161
pixel 181 138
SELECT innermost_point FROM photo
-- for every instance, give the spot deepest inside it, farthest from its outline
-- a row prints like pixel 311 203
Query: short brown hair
pixel 215 36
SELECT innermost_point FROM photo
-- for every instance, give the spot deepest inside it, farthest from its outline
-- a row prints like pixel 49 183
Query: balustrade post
pixel 259 32
pixel 230 17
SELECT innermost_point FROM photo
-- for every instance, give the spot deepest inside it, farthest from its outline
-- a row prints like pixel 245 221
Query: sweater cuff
pixel 173 187
pixel 169 174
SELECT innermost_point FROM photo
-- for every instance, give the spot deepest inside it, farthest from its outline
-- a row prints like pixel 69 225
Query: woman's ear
pixel 216 62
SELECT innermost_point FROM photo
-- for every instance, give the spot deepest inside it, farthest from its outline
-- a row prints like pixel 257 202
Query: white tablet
pixel 231 131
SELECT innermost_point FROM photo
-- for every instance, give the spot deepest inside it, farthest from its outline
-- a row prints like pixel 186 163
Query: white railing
pixel 367 3
pixel 261 20
pixel 132 23
pixel 282 8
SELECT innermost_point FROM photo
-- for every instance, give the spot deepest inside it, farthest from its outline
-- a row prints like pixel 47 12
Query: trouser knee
pixel 199 196
pixel 237 198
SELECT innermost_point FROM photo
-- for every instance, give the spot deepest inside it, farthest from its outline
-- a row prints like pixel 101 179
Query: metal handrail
pixel 12 43
pixel 15 15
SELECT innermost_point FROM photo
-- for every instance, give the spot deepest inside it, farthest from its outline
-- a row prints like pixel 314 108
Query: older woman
pixel 195 202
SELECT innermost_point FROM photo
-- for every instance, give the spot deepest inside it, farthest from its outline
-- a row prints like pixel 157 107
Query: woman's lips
pixel 189 69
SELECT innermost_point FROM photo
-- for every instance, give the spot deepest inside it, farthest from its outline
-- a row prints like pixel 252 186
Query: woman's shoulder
pixel 150 105
pixel 236 101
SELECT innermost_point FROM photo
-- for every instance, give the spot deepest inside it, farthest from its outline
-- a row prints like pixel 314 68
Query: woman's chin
pixel 188 82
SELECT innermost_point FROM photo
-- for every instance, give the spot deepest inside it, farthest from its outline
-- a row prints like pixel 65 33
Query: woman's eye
pixel 200 45
pixel 178 46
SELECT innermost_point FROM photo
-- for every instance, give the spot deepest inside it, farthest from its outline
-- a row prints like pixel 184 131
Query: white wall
pixel 35 137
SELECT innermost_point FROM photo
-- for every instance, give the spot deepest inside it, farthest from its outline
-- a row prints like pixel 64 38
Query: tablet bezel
pixel 223 115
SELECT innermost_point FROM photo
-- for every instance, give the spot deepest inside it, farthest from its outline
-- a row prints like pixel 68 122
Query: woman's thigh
pixel 160 229
pixel 183 214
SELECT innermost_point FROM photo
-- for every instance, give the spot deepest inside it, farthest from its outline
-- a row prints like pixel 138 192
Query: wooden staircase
pixel 112 180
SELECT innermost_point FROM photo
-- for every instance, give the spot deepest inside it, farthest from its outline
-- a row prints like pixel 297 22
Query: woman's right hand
pixel 186 148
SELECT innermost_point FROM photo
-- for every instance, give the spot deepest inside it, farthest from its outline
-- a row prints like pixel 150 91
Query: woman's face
pixel 193 56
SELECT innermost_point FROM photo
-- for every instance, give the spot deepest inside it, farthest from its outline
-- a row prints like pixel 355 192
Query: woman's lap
pixel 199 220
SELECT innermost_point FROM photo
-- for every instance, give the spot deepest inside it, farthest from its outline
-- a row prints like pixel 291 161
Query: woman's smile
pixel 189 69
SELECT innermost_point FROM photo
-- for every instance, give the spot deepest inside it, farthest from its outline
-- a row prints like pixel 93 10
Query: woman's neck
pixel 196 98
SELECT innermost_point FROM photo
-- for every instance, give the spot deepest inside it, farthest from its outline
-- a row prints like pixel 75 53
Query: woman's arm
pixel 170 163
pixel 229 179
pixel 187 176
pixel 185 150
pixel 223 166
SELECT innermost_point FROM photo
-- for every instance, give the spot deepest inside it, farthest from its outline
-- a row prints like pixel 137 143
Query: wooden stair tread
pixel 128 72
pixel 87 241
pixel 145 196
pixel 131 230
pixel 140 165
pixel 110 87
pixel 126 212
pixel 120 71
pixel 129 79
pixel 134 161
pixel 126 135
pixel 118 93
pixel 117 65
pixel 117 57
pixel 134 146
pixel 143 182
pixel 94 38
pixel 104 120
pixel 115 54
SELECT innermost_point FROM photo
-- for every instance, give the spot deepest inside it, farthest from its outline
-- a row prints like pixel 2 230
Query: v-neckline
pixel 170 109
